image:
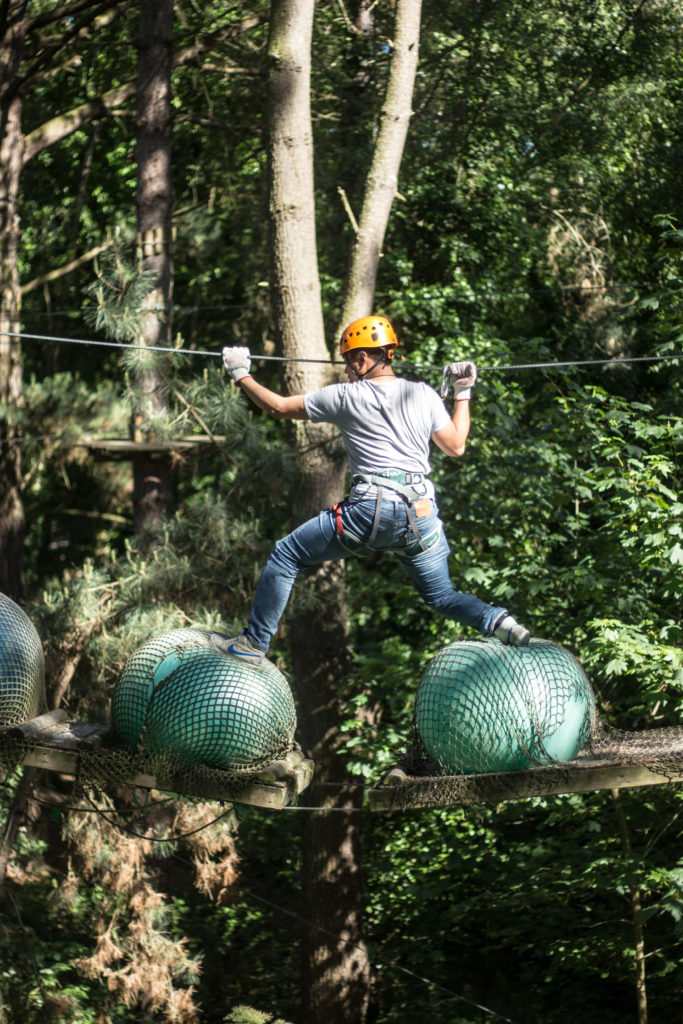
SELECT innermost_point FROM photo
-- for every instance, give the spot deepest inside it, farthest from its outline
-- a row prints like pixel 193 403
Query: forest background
pixel 535 221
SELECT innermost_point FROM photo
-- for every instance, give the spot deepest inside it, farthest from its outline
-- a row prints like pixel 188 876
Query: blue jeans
pixel 317 541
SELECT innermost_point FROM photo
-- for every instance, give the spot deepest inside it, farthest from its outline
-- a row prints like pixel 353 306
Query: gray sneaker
pixel 240 647
pixel 510 632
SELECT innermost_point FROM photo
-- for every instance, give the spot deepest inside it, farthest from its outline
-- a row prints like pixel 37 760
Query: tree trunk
pixel 153 487
pixel 335 974
pixel 15 814
pixel 12 521
pixel 382 181
pixel 336 971
pixel 636 910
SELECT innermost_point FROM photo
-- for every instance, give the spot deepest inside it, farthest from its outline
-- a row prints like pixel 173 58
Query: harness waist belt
pixel 384 476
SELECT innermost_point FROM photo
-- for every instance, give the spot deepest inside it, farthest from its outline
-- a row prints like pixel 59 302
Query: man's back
pixel 386 422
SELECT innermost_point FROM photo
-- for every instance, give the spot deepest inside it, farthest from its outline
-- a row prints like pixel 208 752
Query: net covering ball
pixel 485 707
pixel 179 696
pixel 22 666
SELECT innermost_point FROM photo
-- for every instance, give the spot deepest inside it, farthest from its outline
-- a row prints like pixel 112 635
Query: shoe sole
pixel 258 658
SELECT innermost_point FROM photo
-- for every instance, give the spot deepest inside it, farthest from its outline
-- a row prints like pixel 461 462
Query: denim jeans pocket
pixel 358 518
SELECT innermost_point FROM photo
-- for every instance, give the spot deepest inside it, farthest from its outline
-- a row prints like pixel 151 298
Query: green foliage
pixel 637 669
pixel 116 297
pixel 463 882
pixel 533 226
pixel 247 1015
pixel 65 525
pixel 37 983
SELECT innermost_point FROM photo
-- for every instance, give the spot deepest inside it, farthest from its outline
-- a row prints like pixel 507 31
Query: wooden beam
pixel 258 793
pixel 52 730
pixel 400 791
pixel 37 724
pixel 63 761
pixel 261 791
pixel 56 745
pixel 123 448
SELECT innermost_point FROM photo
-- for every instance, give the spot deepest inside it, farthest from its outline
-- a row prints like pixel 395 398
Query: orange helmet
pixel 369 332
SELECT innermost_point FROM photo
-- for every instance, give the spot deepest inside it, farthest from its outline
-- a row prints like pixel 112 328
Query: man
pixel 387 424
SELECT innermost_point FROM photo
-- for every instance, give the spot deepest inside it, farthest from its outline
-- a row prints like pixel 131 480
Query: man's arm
pixel 237 361
pixel 280 407
pixel 452 438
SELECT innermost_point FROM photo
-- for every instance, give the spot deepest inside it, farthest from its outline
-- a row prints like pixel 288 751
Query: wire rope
pixel 127 830
pixel 261 357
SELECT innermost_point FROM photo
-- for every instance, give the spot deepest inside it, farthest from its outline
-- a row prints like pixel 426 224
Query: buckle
pixel 395 475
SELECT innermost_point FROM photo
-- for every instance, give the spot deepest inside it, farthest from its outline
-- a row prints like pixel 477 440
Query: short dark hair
pixel 373 353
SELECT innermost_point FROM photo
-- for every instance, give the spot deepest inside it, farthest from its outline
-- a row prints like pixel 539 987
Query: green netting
pixel 111 764
pixel 22 666
pixel 179 697
pixel 485 707
pixel 420 783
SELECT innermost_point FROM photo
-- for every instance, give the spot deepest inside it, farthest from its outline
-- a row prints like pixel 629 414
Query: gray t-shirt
pixel 386 423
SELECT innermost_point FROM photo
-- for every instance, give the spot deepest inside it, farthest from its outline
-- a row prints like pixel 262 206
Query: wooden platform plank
pixel 55 744
pixel 53 760
pixel 258 793
pixel 41 723
pixel 266 790
pixel 52 729
pixel 123 448
pixel 403 792
pixel 75 735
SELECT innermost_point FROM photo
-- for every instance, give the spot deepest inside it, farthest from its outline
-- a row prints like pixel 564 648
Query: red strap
pixel 339 526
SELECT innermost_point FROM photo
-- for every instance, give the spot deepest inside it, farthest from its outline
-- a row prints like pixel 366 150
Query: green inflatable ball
pixel 482 706
pixel 22 666
pixel 179 696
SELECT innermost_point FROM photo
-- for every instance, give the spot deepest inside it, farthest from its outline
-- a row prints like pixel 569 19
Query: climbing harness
pixel 406 486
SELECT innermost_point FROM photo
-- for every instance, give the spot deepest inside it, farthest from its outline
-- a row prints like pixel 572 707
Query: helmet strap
pixel 380 362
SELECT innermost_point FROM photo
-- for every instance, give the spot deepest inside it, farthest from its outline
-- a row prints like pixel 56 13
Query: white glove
pixel 462 377
pixel 237 362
